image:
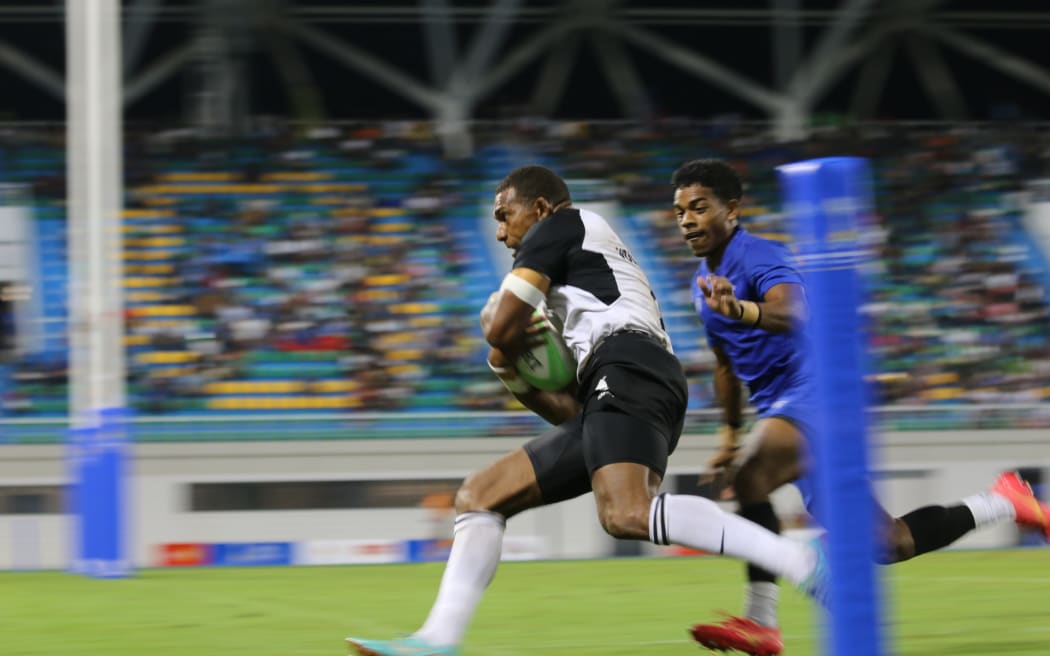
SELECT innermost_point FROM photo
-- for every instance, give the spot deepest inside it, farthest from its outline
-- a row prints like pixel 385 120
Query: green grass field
pixel 995 602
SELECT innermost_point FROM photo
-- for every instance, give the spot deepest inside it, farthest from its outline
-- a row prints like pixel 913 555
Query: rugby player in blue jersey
pixel 752 302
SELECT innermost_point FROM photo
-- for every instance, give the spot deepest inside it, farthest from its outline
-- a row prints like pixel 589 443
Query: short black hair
pixel 712 173
pixel 533 181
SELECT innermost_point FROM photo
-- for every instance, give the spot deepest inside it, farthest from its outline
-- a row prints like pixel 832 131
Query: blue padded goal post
pixel 826 201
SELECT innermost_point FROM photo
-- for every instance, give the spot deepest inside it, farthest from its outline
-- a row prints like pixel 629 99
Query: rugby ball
pixel 550 365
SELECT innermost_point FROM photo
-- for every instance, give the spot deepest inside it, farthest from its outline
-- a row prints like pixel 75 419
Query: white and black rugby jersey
pixel 597 287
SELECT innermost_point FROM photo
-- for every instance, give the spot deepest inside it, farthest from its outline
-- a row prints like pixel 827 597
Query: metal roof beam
pixel 33 70
pixel 550 87
pixel 872 81
pixel 847 57
pixel 821 61
pixel 622 75
pixel 367 64
pixel 991 56
pixel 936 78
pixel 702 66
pixel 488 38
pixel 787 41
pixel 440 34
pixel 136 31
pixel 159 70
pixel 302 90
pixel 520 57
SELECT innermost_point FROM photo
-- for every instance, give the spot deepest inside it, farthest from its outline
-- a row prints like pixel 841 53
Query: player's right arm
pixel 730 396
pixel 729 393
pixel 555 407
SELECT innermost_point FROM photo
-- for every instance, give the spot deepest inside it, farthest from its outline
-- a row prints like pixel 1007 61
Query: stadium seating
pixel 344 274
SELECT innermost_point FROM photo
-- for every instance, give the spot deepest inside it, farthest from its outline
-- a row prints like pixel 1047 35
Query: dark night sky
pixel 746 49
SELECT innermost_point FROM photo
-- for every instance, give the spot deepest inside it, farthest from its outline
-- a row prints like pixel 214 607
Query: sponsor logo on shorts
pixel 603 389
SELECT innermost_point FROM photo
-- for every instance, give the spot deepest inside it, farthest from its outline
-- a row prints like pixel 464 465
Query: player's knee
pixel 467 499
pixel 753 482
pixel 899 544
pixel 625 520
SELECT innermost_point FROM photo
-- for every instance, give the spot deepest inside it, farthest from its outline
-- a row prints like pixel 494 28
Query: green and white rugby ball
pixel 550 365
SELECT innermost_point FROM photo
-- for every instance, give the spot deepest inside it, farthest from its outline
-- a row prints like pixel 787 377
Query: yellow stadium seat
pixel 256 387
pixel 414 308
pixel 136 340
pixel 943 378
pixel 392 227
pixel 156 269
pixel 405 370
pixel 327 200
pixel 387 280
pixel 394 340
pixel 174 372
pixel 159 201
pixel 145 281
pixel 199 176
pixel 283 402
pixel 134 213
pixel 132 254
pixel 942 393
pixel 166 311
pixel 329 188
pixel 379 294
pixel 166 229
pixel 297 176
pixel 168 357
pixel 162 242
pixel 425 322
pixel 753 210
pixel 387 211
pixel 143 297
pixel 166 324
pixel 402 355
pixel 205 189
pixel 334 386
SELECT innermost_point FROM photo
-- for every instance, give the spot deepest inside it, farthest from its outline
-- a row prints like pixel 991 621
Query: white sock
pixel 989 508
pixel 476 546
pixel 761 603
pixel 699 523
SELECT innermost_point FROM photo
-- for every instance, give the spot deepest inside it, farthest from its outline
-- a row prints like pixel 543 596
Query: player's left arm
pixel 780 305
pixel 555 407
pixel 783 308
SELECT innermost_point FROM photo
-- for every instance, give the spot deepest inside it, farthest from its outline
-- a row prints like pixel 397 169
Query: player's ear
pixel 733 210
pixel 543 207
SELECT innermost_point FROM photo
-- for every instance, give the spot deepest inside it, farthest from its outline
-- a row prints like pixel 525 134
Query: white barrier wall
pixel 915 469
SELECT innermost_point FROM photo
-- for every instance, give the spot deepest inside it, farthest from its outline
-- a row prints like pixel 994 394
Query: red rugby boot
pixel 740 634
pixel 1030 512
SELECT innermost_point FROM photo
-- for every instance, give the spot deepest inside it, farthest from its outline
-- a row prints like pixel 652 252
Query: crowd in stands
pixel 342 269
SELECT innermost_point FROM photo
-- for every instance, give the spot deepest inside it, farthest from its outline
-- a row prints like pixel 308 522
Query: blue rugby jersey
pixel 773 365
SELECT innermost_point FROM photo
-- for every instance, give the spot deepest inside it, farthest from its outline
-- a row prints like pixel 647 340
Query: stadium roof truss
pixel 853 36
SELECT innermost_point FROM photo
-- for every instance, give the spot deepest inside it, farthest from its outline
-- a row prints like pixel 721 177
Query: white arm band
pixel 523 290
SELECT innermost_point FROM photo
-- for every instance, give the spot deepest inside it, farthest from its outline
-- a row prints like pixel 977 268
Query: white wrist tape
pixel 515 384
pixel 523 290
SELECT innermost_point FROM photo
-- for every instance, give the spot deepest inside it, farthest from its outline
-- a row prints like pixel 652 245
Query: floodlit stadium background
pixel 305 246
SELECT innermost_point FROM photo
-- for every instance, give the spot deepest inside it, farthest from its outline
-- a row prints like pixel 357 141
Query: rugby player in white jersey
pixel 614 429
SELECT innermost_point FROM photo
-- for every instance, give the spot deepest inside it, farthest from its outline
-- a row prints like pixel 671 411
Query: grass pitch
pixel 952 603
